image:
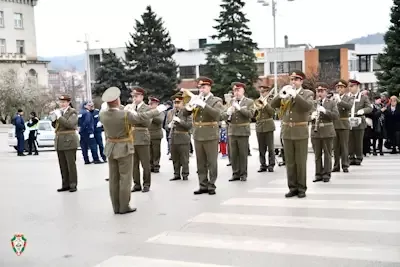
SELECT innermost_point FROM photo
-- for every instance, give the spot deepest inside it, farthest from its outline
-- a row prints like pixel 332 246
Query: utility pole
pixel 87 63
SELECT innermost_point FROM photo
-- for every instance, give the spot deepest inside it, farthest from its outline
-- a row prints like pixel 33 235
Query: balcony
pixel 12 57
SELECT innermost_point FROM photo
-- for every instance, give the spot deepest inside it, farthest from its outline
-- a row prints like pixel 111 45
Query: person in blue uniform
pixel 19 124
pixel 86 132
pixel 98 129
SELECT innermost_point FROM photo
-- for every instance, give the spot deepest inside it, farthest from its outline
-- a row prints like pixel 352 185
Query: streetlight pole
pixel 273 5
pixel 87 63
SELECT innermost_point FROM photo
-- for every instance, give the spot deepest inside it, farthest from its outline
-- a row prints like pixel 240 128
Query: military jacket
pixel 117 128
pixel 155 128
pixel 325 127
pixel 344 107
pixel 296 117
pixel 361 102
pixel 140 130
pixel 205 120
pixel 240 119
pixel 66 136
pixel 179 133
pixel 265 119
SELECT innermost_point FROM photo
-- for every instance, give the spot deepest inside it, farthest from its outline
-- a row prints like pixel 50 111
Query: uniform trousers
pixel 120 182
pixel 239 146
pixel 207 163
pixel 155 154
pixel 341 149
pixel 141 157
pixel 266 143
pixel 323 146
pixel 180 159
pixel 356 138
pixel 296 152
pixel 67 162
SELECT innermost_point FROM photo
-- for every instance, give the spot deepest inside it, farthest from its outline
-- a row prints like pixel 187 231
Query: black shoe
pixel 346 170
pixel 63 189
pixel 291 194
pixel 107 179
pixel 151 170
pixel 98 162
pixel 156 171
pixel 270 168
pixel 185 178
pixel 262 170
pixel 30 154
pixel 21 155
pixel 243 179
pixel 104 160
pixel 36 154
pixel 301 195
pixel 234 179
pixel 317 179
pixel 200 191
pixel 86 163
pixel 211 192
pixel 375 154
pixel 136 189
pixel 145 189
pixel 73 189
pixel 175 179
pixel 335 170
pixel 326 180
pixel 229 164
pixel 130 210
pixel 280 164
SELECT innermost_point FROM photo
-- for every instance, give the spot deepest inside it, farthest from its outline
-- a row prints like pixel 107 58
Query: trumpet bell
pixel 284 92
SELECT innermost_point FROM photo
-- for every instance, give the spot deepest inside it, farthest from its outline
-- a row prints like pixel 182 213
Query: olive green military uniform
pixel 239 132
pixel 361 102
pixel 66 143
pixel 141 136
pixel 180 143
pixel 295 134
pixel 342 128
pixel 206 138
pixel 120 150
pixel 156 134
pixel 322 135
pixel 265 127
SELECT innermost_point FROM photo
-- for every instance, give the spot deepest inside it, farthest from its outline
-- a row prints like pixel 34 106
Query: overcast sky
pixel 60 23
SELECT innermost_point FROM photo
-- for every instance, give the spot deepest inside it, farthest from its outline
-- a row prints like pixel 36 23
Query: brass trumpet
pixel 284 92
pixel 189 105
pixel 261 102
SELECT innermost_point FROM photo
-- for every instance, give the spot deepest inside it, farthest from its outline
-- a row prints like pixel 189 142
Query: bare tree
pixel 327 72
pixel 71 85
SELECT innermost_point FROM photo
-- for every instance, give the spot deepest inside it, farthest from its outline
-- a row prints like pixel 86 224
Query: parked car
pixel 45 137
pixel 277 136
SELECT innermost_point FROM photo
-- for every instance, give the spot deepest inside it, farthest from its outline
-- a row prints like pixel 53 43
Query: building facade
pixel 68 82
pixel 18 40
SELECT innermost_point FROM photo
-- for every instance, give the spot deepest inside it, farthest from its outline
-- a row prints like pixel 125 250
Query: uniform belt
pixel 120 140
pixel 241 124
pixel 65 132
pixel 344 119
pixel 293 124
pixel 264 120
pixel 181 132
pixel 322 124
pixel 139 128
pixel 210 123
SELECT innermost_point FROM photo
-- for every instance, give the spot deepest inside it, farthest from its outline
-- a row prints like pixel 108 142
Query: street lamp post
pixel 87 63
pixel 273 5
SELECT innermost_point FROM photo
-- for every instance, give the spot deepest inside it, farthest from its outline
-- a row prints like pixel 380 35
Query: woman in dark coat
pixel 377 134
pixel 392 123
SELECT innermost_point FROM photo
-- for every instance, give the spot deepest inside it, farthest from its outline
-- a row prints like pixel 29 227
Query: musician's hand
pixel 337 98
pixel 199 102
pixel 57 112
pixel 175 118
pixel 321 109
pixel 133 112
pixel 161 108
pixel 292 93
pixel 360 112
pixel 99 124
pixel 104 106
pixel 236 105
pixel 170 124
pixel 313 115
pixel 230 111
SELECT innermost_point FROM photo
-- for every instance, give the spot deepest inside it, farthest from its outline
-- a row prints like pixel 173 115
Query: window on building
pixel 18 21
pixel 20 47
pixel 375 65
pixel 286 67
pixel 187 72
pixel 260 69
pixel 3 48
pixel 1 18
pixel 364 63
pixel 353 65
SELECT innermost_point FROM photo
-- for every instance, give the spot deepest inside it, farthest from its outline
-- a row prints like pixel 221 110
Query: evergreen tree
pixel 232 59
pixel 149 57
pixel 389 77
pixel 111 73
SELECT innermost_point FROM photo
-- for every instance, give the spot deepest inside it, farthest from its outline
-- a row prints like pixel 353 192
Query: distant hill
pixel 376 38
pixel 66 62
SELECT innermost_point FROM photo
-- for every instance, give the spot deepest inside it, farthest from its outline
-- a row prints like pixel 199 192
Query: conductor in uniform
pixel 240 113
pixel 323 132
pixel 141 137
pixel 206 115
pixel 180 125
pixel 342 127
pixel 361 107
pixel 295 133
pixel 265 127
pixel 119 147
pixel 65 122
pixel 156 134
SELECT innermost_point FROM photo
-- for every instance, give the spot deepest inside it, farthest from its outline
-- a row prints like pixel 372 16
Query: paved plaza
pixel 352 221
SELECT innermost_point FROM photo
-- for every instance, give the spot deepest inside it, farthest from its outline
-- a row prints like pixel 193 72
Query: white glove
pixel 170 124
pixel 57 112
pixel 313 115
pixel 161 108
pixel 230 111
pixel 292 93
pixel 134 112
pixel 199 102
pixel 175 118
pixel 236 105
pixel 91 136
pixel 360 112
pixel 99 124
pixel 337 98
pixel 321 109
pixel 104 106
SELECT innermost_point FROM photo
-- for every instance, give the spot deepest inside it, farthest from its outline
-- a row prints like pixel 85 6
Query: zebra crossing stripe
pixel 351 181
pixel 281 246
pixel 318 190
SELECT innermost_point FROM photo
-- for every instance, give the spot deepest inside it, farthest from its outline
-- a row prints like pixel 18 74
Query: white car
pixel 277 136
pixel 45 137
